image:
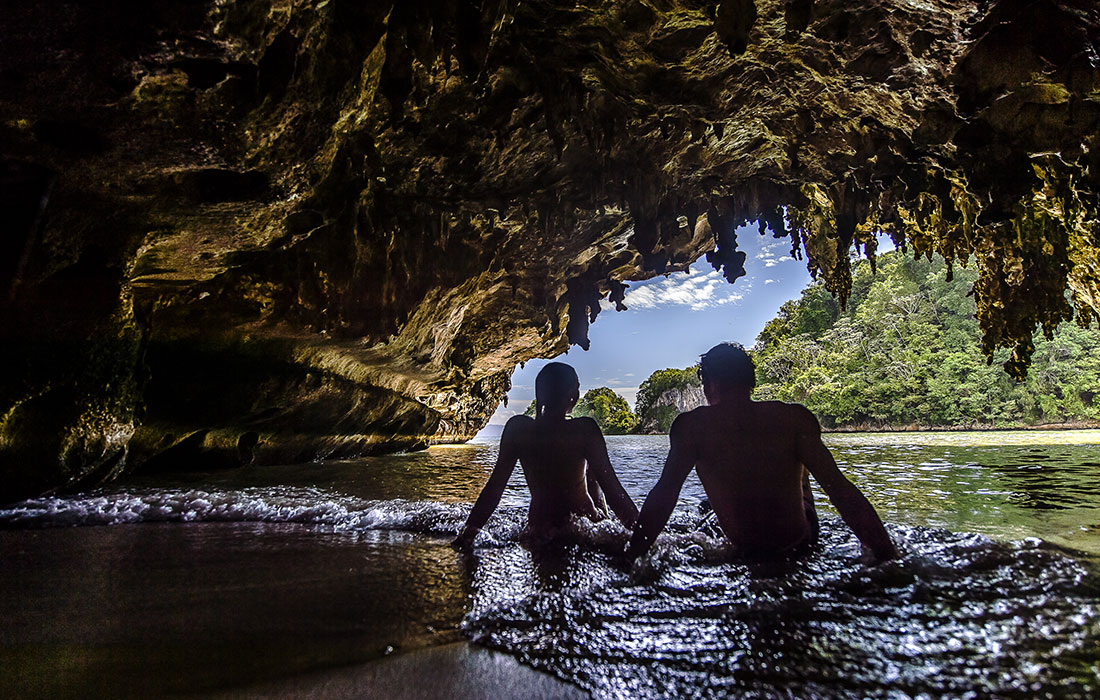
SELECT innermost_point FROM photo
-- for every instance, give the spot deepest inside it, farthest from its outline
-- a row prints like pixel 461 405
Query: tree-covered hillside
pixel 607 408
pixel 906 351
pixel 664 395
pixel 603 405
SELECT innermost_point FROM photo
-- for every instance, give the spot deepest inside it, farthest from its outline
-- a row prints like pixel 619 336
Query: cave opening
pixel 670 320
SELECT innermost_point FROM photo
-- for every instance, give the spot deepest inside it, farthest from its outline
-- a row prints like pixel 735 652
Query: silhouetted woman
pixel 553 450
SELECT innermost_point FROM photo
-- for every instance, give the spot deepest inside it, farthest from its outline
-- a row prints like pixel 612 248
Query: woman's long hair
pixel 554 386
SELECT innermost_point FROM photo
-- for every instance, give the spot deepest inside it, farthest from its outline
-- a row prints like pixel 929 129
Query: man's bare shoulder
pixel 795 415
pixel 691 422
pixel 783 409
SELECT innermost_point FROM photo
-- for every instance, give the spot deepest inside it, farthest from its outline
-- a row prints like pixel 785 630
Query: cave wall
pixel 281 231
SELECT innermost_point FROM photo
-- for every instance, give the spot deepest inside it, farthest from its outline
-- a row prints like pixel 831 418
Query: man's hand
pixel 869 557
pixel 464 541
pixel 638 545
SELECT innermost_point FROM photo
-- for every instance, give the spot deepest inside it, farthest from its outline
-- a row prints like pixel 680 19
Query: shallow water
pixel 214 580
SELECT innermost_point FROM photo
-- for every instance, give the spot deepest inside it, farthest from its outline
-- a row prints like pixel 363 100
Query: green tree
pixel 906 351
pixel 608 409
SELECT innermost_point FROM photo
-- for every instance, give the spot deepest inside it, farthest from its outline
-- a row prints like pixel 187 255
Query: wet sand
pixel 457 671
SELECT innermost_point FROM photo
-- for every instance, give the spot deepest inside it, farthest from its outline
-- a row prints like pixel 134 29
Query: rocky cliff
pixel 285 230
pixel 671 403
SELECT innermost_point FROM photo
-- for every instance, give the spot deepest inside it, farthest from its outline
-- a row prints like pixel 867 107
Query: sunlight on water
pixel 997 593
pixel 958 616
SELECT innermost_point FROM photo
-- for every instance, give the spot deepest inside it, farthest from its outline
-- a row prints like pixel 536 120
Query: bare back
pixel 562 460
pixel 747 458
pixel 554 456
pixel 754 459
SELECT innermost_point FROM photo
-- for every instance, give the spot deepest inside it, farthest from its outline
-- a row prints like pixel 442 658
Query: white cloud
pixel 769 254
pixel 503 414
pixel 630 393
pixel 696 291
pixel 770 281
pixel 772 262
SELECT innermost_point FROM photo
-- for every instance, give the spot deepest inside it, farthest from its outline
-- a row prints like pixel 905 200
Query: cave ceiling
pixel 288 230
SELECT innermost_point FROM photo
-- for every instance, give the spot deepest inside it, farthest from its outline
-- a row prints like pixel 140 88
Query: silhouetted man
pixel 751 456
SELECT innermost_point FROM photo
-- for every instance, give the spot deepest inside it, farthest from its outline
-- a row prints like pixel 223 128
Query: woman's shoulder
pixel 517 425
pixel 584 423
pixel 518 421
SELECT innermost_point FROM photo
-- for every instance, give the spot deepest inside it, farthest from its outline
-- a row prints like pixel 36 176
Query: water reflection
pixel 1012 491
pixel 147 610
pixel 959 616
pixel 445 474
pixel 1009 485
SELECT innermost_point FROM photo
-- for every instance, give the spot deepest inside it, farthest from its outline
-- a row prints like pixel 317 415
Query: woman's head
pixel 556 389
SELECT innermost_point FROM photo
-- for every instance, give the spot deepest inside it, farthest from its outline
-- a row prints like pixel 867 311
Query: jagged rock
pixel 338 226
pixel 671 403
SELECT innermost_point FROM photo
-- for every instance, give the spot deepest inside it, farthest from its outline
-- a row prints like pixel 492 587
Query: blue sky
pixel 671 320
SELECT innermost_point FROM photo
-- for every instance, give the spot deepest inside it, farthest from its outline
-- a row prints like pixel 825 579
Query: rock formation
pixel 297 229
pixel 671 403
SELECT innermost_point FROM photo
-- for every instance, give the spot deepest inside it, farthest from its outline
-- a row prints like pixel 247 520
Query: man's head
pixel 727 367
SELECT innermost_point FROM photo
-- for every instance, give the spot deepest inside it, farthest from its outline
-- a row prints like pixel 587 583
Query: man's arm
pixel 808 504
pixel 662 499
pixel 490 495
pixel 853 506
pixel 599 467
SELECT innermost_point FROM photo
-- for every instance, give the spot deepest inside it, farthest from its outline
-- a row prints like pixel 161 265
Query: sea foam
pixel 309 506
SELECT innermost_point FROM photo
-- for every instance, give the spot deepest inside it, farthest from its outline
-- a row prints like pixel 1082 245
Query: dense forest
pixel 608 409
pixel 906 352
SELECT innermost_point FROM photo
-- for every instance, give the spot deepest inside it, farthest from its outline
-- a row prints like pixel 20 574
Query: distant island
pixel 904 355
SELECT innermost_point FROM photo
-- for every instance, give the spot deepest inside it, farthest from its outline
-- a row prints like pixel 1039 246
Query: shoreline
pixel 976 428
pixel 918 428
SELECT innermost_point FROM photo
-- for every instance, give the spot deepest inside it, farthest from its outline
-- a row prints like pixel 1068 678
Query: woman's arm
pixel 595 493
pixel 661 501
pixel 490 495
pixel 599 465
